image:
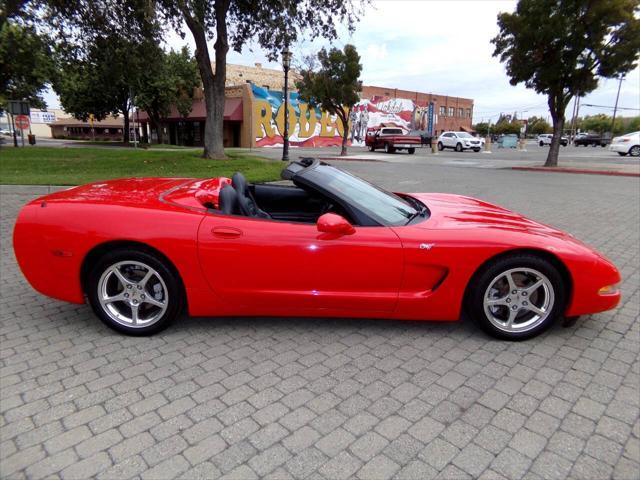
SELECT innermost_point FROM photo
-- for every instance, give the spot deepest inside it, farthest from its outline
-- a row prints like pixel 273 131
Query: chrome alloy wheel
pixel 518 300
pixel 132 294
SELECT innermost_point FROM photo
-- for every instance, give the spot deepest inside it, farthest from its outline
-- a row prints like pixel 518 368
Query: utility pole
pixel 615 108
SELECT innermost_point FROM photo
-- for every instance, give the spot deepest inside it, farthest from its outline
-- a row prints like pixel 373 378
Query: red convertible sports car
pixel 330 245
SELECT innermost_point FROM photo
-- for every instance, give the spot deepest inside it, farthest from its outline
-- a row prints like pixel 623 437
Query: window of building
pixel 452 111
pixel 461 112
pixel 468 113
pixel 443 111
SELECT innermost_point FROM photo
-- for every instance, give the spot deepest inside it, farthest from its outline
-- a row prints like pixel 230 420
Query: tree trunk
pixel 125 132
pixel 556 108
pixel 344 119
pixel 160 132
pixel 213 84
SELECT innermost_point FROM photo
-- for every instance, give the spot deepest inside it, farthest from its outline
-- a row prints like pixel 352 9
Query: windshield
pixel 464 135
pixel 387 208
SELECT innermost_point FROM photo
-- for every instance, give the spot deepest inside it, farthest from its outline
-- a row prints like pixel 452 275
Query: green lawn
pixel 73 166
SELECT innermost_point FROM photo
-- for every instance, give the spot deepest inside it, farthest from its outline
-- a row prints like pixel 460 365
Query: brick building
pixel 254 113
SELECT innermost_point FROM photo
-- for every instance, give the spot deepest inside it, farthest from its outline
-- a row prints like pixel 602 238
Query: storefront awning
pixel 232 112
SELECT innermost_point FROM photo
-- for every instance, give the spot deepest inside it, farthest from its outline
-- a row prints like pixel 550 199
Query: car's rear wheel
pixel 516 297
pixel 458 147
pixel 134 292
pixel 411 151
pixel 440 146
pixel 635 151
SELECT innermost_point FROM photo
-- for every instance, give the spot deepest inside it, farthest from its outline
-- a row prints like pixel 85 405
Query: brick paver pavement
pixel 302 398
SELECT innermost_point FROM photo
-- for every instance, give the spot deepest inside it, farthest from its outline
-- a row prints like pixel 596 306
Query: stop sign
pixel 22 122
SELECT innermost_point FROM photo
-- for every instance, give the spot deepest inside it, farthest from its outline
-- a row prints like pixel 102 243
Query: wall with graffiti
pixel 310 127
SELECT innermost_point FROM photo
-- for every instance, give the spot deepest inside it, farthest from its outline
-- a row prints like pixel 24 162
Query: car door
pixel 268 267
pixel 449 141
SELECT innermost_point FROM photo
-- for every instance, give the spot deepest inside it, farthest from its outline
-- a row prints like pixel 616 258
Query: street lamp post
pixel 286 63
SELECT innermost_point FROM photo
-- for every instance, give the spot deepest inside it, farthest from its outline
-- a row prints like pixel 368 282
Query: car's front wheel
pixel 476 150
pixel 541 143
pixel 458 147
pixel 516 297
pixel 388 148
pixel 635 151
pixel 440 146
pixel 134 292
pixel 372 148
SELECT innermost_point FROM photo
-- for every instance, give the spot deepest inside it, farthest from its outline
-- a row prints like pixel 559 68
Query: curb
pixel 611 173
pixel 347 159
pixel 31 189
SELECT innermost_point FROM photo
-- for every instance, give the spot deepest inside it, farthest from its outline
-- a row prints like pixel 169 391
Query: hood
pixel 452 212
pixel 127 191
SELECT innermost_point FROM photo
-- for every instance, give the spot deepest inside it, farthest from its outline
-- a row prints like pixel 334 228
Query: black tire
pixel 635 151
pixel 174 295
pixel 482 280
pixel 372 148
pixel 458 147
pixel 476 150
pixel 541 143
pixel 388 148
pixel 411 151
pixel 440 146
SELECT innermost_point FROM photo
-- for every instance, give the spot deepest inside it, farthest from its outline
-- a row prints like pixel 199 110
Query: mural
pixel 389 112
pixel 310 127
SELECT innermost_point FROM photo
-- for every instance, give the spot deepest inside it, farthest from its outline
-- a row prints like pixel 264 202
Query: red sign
pixel 22 122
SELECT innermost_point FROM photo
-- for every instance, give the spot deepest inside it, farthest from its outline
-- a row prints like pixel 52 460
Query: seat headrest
pixel 228 200
pixel 239 183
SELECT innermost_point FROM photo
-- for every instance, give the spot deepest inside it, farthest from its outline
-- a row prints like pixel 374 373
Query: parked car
pixel 592 139
pixel 459 141
pixel 142 250
pixel 391 139
pixel 628 144
pixel 545 139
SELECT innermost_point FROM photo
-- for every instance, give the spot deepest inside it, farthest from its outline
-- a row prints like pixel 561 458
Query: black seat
pixel 246 203
pixel 228 200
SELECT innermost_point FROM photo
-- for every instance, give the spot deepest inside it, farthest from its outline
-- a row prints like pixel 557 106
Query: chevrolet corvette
pixel 327 244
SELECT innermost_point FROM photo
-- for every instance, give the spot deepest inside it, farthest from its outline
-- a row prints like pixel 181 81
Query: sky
pixel 443 47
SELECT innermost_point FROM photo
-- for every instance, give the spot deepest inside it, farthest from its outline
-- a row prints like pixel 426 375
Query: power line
pixel 609 107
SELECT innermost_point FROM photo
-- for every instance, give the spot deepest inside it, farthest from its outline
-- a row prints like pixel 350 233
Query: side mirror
pixel 336 224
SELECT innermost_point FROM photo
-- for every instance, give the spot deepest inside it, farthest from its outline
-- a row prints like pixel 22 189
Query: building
pixel 254 113
pixel 111 128
pixel 40 120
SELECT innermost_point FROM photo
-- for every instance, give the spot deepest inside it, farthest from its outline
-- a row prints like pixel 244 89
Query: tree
pixel 334 86
pixel 103 81
pixel 482 128
pixel 537 126
pixel 169 80
pixel 271 24
pixel 102 48
pixel 560 48
pixel 25 62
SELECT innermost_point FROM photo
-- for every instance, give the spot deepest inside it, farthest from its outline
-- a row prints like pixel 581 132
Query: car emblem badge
pixel 426 246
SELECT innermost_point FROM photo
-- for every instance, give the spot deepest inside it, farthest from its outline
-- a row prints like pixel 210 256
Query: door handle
pixel 226 232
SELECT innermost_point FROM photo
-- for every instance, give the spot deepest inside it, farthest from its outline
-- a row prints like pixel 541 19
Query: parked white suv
pixel 459 141
pixel 628 144
pixel 545 139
